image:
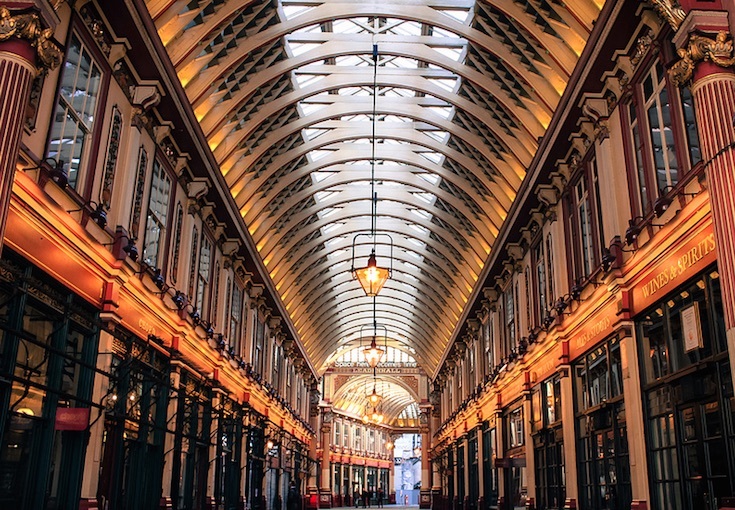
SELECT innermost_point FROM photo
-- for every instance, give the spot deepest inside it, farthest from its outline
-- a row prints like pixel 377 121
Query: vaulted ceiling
pixel 463 92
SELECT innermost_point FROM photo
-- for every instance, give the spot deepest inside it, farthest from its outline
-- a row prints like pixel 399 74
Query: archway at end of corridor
pixel 407 475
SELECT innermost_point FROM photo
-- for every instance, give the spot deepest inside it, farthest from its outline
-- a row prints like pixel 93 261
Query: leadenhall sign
pixel 685 262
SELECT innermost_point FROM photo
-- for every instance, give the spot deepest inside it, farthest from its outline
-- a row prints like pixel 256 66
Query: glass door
pixel 705 454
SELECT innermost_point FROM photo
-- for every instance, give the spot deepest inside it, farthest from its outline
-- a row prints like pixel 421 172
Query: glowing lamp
pixel 371 278
pixel 373 354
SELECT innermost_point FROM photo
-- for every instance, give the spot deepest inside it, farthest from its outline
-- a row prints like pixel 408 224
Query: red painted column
pixel 24 50
pixel 707 64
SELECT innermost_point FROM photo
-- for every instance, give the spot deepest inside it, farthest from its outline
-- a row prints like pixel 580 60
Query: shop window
pixel 191 455
pixel 602 447
pixel 584 220
pixel 132 463
pixel 662 133
pixel 48 351
pixel 157 216
pixel 599 376
pixel 548 444
pixel 688 395
pixel 227 469
pixel 73 123
pixel 490 472
pixel 680 330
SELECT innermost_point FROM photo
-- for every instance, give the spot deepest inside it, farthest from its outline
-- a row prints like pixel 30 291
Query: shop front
pixel 489 470
pixel 688 396
pixel 514 461
pixel 602 444
pixel 48 351
pixel 135 424
pixel 548 445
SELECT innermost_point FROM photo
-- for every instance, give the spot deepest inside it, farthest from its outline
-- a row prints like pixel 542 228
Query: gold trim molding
pixel 671 11
pixel 28 26
pixel 698 49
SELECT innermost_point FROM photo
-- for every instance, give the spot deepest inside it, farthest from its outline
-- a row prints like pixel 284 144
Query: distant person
pixel 293 498
pixel 380 497
pixel 356 498
pixel 365 498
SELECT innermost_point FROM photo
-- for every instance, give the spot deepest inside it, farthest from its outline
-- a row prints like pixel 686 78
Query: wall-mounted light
pixel 548 320
pixel 56 173
pixel 576 291
pixel 98 214
pixel 633 231
pixel 196 318
pixel 608 259
pixel 560 305
pixel 129 248
pixel 179 299
pixel 158 279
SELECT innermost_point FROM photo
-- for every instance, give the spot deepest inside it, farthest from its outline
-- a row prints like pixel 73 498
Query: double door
pixel 706 445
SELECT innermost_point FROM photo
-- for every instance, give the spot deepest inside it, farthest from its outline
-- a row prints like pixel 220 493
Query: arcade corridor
pixel 248 247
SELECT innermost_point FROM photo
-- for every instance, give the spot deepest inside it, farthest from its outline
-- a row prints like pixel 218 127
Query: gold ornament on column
pixel 28 27
pixel 698 49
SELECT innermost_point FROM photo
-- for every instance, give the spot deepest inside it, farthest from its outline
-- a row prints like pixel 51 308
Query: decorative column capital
pixel 701 48
pixel 671 11
pixel 28 26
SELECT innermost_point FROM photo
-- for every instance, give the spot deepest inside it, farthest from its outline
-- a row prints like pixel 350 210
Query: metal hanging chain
pixel 373 194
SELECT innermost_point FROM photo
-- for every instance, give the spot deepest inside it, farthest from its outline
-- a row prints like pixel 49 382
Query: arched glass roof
pixel 284 93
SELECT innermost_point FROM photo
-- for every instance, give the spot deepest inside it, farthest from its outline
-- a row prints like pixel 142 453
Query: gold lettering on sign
pixel 145 326
pixel 679 266
pixel 594 330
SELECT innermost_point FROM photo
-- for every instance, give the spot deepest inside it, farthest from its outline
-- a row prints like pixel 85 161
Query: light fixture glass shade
pixel 372 278
pixel 374 397
pixel 373 354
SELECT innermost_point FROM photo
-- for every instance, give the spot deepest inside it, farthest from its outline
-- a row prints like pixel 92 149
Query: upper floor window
pixel 259 344
pixel 157 218
pixel 203 274
pixel 487 333
pixel 515 428
pixel 542 291
pixel 585 220
pixel 235 329
pixel 509 319
pixel 662 134
pixel 76 109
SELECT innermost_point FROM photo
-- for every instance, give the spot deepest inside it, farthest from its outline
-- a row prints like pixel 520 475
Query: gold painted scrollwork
pixel 671 11
pixel 698 49
pixel 28 26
